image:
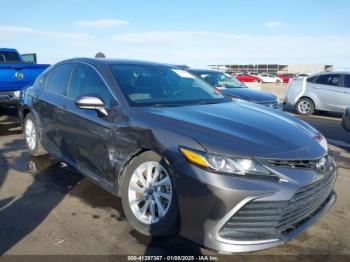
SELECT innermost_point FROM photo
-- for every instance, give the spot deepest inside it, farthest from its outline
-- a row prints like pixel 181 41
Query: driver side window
pixel 86 81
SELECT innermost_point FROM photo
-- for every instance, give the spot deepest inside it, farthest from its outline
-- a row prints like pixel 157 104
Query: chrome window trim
pixel 70 78
pixel 50 75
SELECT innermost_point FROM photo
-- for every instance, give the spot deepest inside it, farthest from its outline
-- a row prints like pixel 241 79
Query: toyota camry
pixel 230 176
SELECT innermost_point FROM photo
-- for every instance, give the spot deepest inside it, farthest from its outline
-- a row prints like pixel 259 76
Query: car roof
pixel 330 72
pixel 109 61
pixel 8 50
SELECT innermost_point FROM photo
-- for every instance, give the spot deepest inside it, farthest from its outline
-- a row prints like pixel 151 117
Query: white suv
pixel 327 91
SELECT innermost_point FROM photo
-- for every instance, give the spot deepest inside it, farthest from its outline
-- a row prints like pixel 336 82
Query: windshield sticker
pixel 183 73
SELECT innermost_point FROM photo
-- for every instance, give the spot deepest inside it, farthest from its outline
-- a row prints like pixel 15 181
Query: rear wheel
pixel 305 106
pixel 32 136
pixel 148 196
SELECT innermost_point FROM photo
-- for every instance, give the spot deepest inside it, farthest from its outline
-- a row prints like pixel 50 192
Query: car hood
pixel 249 94
pixel 238 129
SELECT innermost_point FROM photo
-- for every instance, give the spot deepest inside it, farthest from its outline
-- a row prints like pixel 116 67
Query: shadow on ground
pixel 51 182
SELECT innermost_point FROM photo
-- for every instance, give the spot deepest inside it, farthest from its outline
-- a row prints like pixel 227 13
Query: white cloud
pixel 11 32
pixel 272 24
pixel 164 37
pixel 195 48
pixel 101 23
pixel 200 48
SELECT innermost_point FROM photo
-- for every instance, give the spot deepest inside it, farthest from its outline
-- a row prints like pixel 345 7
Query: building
pixel 274 68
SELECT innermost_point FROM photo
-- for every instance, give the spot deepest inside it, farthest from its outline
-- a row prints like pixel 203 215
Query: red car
pixel 285 77
pixel 243 77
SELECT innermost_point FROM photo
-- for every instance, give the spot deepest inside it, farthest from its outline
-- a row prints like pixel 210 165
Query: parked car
pixel 16 72
pixel 269 78
pixel 327 91
pixel 234 89
pixel 285 77
pixel 302 75
pixel 230 176
pixel 245 77
pixel 346 119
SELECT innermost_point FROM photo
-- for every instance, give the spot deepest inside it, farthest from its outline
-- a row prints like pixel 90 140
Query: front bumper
pixel 208 201
pixel 9 97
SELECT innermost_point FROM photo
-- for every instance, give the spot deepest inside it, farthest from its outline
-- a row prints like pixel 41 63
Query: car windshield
pixel 9 57
pixel 158 85
pixel 218 79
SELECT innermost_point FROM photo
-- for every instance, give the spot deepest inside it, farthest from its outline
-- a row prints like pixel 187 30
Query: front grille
pixel 293 164
pixel 263 220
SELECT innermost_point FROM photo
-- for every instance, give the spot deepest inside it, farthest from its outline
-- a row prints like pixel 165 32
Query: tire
pixel 167 224
pixel 305 106
pixel 32 136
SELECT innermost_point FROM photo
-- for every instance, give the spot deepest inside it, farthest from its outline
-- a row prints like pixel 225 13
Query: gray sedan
pixel 230 176
pixel 327 91
pixel 234 89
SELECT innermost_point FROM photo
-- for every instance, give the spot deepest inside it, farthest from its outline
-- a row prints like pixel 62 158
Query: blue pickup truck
pixel 16 72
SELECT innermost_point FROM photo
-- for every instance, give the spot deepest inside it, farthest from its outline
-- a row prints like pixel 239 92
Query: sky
pixel 192 32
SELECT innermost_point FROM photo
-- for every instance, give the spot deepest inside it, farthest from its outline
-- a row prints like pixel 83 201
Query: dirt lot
pixel 47 208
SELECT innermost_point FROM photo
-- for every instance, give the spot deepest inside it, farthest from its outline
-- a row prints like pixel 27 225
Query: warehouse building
pixel 274 68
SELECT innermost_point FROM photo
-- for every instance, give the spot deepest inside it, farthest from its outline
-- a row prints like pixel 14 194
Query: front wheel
pixel 32 136
pixel 305 106
pixel 148 196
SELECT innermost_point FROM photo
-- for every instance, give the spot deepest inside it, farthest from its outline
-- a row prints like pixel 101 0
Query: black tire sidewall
pixel 312 109
pixel 168 224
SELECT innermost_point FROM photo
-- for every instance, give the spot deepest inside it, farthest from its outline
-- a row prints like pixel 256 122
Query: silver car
pixel 327 91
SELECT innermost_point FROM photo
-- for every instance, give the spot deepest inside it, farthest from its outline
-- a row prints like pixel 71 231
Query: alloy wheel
pixel 304 107
pixel 30 134
pixel 150 192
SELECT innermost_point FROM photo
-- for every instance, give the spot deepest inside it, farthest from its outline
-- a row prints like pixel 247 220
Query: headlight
pixel 16 94
pixel 322 141
pixel 227 165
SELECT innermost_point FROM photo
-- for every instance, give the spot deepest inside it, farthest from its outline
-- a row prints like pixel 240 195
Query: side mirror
pixel 92 103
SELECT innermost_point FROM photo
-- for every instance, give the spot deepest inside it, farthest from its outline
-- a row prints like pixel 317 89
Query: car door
pixel 47 105
pixel 89 137
pixel 272 78
pixel 329 93
pixel 263 77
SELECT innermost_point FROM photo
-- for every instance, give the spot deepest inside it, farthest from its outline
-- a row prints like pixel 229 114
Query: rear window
pixel 328 79
pixel 9 57
pixel 59 78
pixel 311 79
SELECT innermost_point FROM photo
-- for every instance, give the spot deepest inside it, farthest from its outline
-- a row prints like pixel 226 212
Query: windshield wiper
pixel 166 105
pixel 208 102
